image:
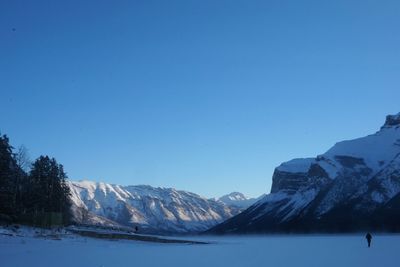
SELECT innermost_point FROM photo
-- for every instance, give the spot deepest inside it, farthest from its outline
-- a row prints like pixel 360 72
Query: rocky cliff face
pixel 153 210
pixel 353 186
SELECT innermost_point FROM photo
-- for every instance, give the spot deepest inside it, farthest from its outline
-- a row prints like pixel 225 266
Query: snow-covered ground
pixel 71 250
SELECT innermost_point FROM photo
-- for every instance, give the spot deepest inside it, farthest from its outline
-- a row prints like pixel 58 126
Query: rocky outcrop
pixel 392 120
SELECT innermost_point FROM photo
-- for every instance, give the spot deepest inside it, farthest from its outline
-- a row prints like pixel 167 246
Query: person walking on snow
pixel 369 238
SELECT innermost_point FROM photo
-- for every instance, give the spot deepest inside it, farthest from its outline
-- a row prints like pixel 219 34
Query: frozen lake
pixel 226 251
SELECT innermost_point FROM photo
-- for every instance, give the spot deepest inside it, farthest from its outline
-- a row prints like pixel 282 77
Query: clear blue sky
pixel 206 96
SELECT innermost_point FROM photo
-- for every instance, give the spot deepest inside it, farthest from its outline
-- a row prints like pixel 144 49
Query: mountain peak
pixel 235 196
pixel 238 199
pixel 392 120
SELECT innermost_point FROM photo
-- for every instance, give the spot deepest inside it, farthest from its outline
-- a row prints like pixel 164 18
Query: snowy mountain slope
pixel 239 200
pixel 153 210
pixel 344 189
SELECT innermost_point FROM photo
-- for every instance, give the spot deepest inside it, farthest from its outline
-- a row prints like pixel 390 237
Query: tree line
pixel 32 193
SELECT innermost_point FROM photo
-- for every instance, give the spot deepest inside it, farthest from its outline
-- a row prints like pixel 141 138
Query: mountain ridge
pixel 348 188
pixel 152 209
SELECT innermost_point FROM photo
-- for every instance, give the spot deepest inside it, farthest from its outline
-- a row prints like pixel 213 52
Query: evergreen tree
pixel 48 189
pixel 42 197
pixel 8 178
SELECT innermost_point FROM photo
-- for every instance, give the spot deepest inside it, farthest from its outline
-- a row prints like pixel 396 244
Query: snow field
pixel 226 251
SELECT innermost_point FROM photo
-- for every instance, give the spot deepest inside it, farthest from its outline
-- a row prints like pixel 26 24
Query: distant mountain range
pixel 354 186
pixel 239 200
pixel 153 210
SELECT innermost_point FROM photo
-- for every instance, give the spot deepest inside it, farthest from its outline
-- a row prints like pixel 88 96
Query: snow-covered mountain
pixel 354 186
pixel 238 199
pixel 153 210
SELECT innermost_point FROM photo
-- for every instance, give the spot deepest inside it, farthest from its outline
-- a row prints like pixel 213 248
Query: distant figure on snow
pixel 369 238
pixel 136 229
